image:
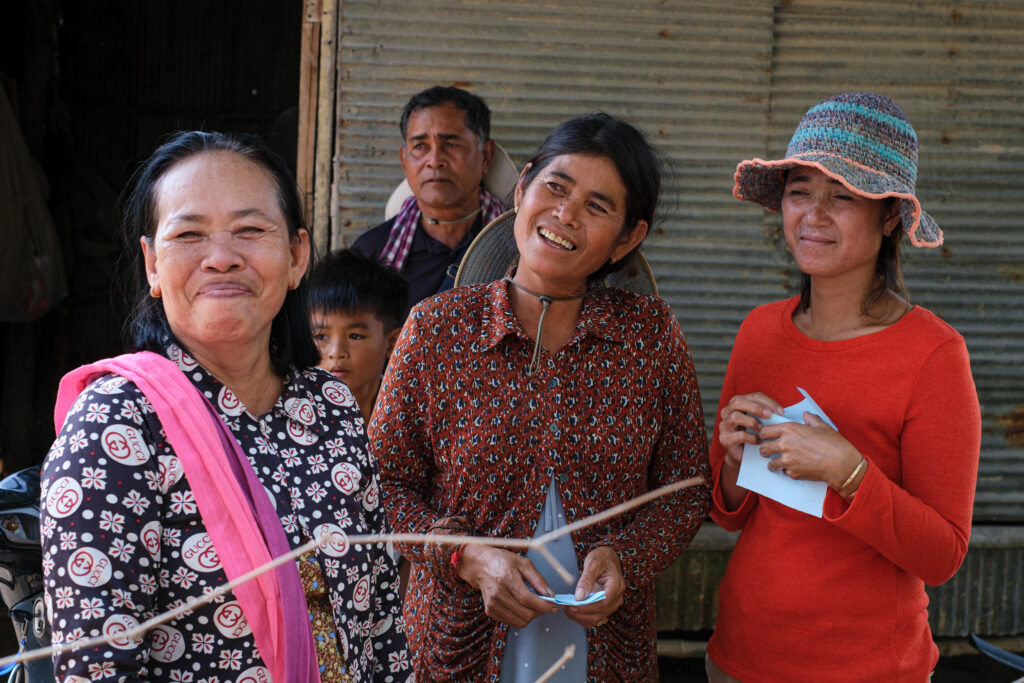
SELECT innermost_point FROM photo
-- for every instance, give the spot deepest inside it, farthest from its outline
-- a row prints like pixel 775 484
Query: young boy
pixel 357 306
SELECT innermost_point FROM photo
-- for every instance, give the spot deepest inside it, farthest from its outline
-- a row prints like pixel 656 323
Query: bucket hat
pixel 861 139
pixel 490 256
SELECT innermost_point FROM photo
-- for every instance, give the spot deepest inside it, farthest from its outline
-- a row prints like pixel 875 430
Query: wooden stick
pixel 569 653
pixel 324 126
pixel 309 70
pixel 367 539
pixel 620 508
pixel 555 564
pixel 170 615
pixel 336 238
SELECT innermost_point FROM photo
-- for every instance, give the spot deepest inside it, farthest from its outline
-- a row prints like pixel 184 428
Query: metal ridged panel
pixel 985 594
pixel 983 597
pixel 697 76
pixel 693 75
pixel 956 69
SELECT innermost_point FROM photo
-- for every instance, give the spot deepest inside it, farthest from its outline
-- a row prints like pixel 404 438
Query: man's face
pixel 444 160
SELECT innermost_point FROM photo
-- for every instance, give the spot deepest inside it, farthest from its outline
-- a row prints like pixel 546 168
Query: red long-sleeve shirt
pixel 842 598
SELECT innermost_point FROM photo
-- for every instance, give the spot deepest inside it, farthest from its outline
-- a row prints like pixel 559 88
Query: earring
pixel 515 209
pixel 154 291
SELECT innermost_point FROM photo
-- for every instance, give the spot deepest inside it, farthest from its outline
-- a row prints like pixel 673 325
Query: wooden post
pixel 337 229
pixel 309 74
pixel 325 125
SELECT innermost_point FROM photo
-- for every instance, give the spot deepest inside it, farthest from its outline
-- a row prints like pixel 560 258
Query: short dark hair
pixel 478 116
pixel 346 281
pixel 621 143
pixel 291 341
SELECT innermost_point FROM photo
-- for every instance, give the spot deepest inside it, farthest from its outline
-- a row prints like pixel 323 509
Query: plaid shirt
pixel 400 238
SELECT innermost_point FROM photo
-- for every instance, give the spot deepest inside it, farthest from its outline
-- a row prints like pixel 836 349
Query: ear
pixel 391 340
pixel 629 241
pixel 892 219
pixel 149 258
pixel 520 186
pixel 299 248
pixel 488 152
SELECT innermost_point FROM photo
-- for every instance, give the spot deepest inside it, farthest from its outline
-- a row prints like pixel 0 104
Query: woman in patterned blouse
pixel 520 405
pixel 223 253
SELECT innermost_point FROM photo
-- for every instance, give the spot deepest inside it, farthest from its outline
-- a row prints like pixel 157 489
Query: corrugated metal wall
pixel 713 83
pixel 985 596
pixel 693 75
pixel 957 69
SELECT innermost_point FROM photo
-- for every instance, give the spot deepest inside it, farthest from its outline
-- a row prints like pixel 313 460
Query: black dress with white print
pixel 123 539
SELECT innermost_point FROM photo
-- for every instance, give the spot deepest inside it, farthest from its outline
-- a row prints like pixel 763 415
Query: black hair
pixel 478 115
pixel 888 268
pixel 346 281
pixel 626 147
pixel 291 341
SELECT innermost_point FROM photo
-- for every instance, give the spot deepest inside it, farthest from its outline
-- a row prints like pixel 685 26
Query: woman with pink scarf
pixel 216 447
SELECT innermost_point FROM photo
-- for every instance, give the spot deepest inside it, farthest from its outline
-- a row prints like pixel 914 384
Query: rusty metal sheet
pixel 983 597
pixel 715 83
pixel 693 75
pixel 957 70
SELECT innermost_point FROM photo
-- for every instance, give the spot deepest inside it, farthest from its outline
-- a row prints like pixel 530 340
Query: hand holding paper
pixel 570 599
pixel 806 496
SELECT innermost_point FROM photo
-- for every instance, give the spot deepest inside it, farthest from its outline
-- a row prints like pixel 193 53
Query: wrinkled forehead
pixel 596 173
pixel 442 120
pixel 197 173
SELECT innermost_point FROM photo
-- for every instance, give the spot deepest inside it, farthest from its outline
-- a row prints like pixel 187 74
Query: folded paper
pixel 806 496
pixel 570 599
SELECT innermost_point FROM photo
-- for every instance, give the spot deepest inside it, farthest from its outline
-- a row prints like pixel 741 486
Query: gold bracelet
pixel 856 470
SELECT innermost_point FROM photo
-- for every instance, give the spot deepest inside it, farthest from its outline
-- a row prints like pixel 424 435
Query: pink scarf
pixel 238 515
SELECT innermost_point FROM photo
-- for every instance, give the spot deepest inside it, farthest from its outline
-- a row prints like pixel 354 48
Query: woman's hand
pixel 602 570
pixel 812 451
pixel 734 430
pixel 739 416
pixel 501 578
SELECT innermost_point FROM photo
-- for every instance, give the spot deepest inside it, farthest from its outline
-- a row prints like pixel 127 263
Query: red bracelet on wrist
pixel 456 556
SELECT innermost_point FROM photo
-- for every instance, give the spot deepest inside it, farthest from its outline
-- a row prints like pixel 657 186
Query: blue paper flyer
pixel 806 496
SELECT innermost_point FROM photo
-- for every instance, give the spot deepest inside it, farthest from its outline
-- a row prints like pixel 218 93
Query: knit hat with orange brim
pixel 861 139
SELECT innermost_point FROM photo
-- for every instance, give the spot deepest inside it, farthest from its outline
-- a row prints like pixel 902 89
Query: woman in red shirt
pixel 841 597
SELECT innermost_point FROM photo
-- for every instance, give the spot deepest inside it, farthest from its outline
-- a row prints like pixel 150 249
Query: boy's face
pixel 353 347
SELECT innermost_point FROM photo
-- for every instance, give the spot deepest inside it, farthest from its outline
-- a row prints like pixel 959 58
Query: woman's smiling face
pixel 830 230
pixel 221 258
pixel 570 223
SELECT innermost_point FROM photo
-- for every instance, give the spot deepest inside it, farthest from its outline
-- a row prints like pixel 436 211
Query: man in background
pixel 446 150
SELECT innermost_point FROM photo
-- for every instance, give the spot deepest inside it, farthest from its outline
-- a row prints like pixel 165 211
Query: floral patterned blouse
pixel 123 540
pixel 468 442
